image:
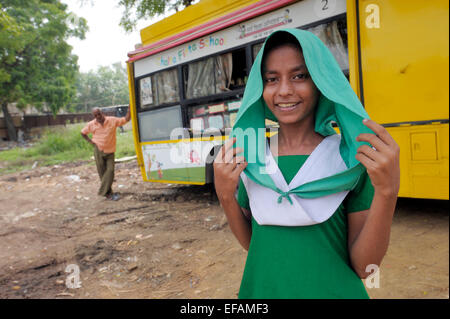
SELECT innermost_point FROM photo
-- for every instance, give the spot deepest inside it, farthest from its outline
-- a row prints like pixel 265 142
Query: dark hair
pixel 277 40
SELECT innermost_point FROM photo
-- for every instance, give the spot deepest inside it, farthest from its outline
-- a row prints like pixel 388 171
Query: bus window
pixel 230 116
pixel 158 124
pixel 159 88
pixel 199 78
pixel 215 75
pixel 331 34
pixel 167 86
pixel 209 116
pixel 223 71
pixel 146 92
pixel 197 117
pixel 219 115
pixel 256 49
pixel 239 68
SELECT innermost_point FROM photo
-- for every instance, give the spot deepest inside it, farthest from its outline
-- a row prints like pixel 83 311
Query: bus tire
pixel 209 169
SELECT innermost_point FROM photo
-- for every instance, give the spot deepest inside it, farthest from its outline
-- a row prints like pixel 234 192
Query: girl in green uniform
pixel 314 224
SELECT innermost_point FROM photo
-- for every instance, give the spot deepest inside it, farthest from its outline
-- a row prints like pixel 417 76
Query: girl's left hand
pixel 382 160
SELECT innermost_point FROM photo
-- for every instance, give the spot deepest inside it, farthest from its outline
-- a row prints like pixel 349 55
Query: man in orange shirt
pixel 103 129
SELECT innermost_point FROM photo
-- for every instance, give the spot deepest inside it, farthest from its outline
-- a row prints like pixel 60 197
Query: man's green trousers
pixel 105 168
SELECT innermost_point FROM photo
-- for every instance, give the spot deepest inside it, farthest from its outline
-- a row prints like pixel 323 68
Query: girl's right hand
pixel 227 168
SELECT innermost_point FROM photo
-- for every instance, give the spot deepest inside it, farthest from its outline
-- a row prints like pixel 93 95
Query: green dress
pixel 303 262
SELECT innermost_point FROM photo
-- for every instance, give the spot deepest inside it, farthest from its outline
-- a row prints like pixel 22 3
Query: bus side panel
pixel 134 121
pixel 177 161
pixel 424 160
pixel 404 59
pixel 352 40
pixel 405 76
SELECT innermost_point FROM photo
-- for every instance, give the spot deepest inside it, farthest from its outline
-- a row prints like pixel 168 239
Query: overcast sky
pixel 106 42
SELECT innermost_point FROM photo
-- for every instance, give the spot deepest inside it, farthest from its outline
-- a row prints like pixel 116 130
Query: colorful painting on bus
pixel 234 105
pixel 146 91
pixel 179 161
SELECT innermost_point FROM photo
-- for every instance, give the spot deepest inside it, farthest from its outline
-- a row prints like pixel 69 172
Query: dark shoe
pixel 113 197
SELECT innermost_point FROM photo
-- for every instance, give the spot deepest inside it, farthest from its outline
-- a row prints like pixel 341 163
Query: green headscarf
pixel 338 102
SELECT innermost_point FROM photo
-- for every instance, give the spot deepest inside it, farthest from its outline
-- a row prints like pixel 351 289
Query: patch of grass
pixel 125 144
pixel 57 146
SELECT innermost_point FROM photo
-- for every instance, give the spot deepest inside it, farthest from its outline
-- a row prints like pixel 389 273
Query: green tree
pixel 135 10
pixel 36 63
pixel 106 86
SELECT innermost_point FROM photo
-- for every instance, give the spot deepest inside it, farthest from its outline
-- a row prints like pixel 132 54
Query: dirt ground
pixel 167 241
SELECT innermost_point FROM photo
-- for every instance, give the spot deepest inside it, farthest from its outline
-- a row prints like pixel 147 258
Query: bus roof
pixel 191 17
pixel 197 20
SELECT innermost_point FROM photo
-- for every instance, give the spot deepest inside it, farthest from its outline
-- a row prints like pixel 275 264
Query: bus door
pixel 403 49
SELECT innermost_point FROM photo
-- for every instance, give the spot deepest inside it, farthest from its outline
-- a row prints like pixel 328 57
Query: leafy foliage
pixel 36 63
pixel 104 87
pixel 140 9
pixel 10 31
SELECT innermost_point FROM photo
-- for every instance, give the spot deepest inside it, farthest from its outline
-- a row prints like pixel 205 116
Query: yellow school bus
pixel 187 79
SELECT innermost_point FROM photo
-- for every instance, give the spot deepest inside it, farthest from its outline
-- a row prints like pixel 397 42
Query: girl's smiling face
pixel 289 91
